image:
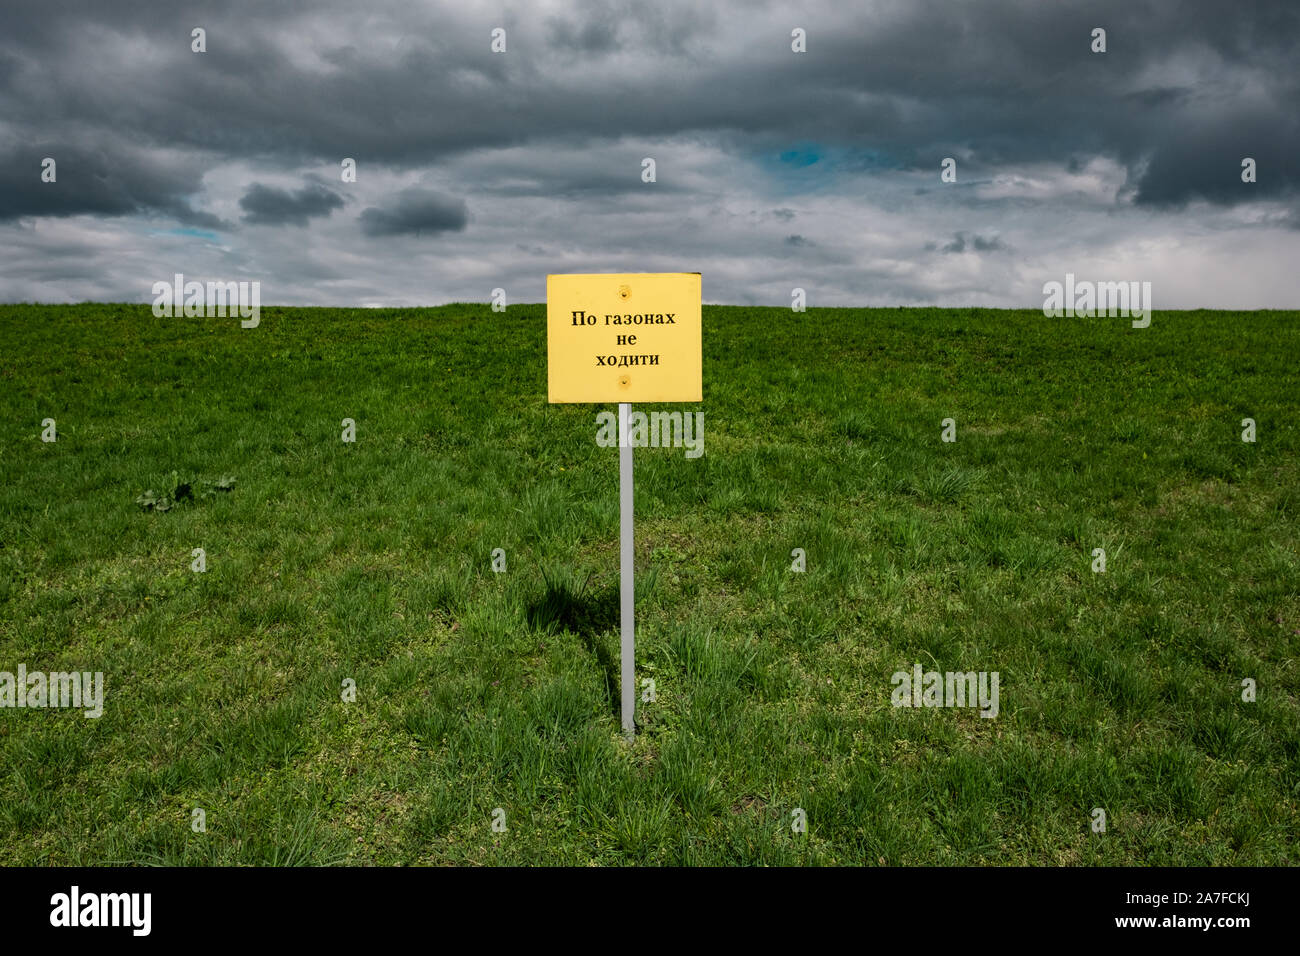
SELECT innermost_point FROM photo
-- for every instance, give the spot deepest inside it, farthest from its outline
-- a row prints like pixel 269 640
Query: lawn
pixel 329 562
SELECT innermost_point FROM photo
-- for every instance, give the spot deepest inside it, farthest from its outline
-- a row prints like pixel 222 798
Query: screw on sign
pixel 602 348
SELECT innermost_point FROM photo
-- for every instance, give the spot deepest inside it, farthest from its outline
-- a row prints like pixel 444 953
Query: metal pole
pixel 626 592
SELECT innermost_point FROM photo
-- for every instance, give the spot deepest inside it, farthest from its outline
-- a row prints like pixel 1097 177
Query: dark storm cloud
pixel 548 137
pixel 595 33
pixel 107 180
pixel 605 26
pixel 963 242
pixel 1009 81
pixel 414 212
pixel 1189 164
pixel 269 206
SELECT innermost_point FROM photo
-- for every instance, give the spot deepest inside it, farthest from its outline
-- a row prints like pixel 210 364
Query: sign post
pixel 626 591
pixel 624 338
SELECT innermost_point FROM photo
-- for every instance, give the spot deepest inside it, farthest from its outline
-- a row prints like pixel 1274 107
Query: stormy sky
pixel 774 169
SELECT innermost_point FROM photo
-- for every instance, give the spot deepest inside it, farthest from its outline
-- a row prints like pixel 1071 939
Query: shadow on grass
pixel 568 605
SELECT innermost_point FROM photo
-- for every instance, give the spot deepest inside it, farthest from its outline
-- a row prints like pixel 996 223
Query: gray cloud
pixel 415 212
pixel 269 206
pixel 1064 156
pixel 964 242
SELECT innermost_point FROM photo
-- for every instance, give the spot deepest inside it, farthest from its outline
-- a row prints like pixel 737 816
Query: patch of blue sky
pixel 812 166
pixel 195 233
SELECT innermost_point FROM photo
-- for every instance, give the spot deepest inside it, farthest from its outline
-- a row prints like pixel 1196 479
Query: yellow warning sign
pixel 624 338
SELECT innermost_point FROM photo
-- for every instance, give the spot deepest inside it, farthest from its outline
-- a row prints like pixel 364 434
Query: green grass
pixel 372 561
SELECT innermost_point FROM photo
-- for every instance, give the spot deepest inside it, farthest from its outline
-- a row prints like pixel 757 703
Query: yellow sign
pixel 624 338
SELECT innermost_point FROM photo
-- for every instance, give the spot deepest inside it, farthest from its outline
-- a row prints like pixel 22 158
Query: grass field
pixel 371 561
